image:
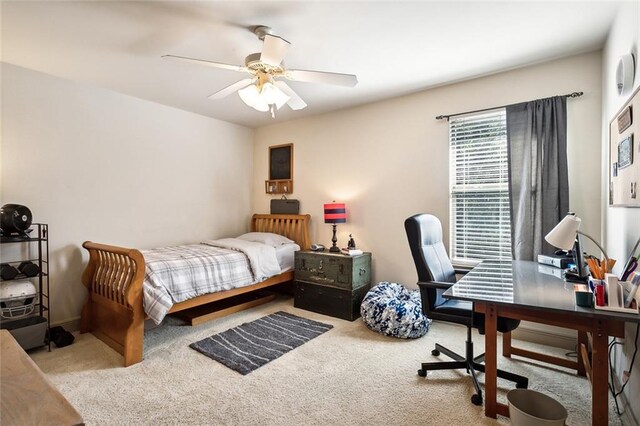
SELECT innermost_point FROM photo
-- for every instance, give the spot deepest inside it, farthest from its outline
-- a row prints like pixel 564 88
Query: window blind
pixel 480 214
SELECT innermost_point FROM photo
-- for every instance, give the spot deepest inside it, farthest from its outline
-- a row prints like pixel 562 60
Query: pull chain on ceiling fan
pixel 264 90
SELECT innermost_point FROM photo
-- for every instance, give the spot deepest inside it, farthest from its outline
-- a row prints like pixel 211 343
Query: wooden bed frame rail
pixel 293 226
pixel 114 277
pixel 113 311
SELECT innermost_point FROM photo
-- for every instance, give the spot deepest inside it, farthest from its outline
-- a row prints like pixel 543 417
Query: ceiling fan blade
pixel 295 102
pixel 207 63
pixel 274 49
pixel 348 80
pixel 231 88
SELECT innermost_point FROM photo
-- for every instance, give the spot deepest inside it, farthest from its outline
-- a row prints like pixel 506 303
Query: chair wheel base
pixel 476 399
pixel 422 373
pixel 435 352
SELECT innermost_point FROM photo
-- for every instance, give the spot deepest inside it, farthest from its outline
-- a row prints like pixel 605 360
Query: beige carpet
pixel 348 376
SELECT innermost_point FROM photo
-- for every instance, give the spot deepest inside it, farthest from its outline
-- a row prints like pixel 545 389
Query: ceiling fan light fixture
pixel 263 96
pixel 273 95
pixel 250 95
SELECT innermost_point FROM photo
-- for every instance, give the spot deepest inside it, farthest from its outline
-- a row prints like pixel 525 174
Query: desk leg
pixel 490 360
pixel 506 344
pixel 600 383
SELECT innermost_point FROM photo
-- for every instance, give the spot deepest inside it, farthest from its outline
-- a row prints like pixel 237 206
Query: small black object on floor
pixel 60 336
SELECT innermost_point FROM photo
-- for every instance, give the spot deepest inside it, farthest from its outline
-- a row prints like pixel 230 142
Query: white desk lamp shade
pixel 564 234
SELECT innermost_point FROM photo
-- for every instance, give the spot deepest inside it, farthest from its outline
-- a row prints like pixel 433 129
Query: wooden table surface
pixel 27 397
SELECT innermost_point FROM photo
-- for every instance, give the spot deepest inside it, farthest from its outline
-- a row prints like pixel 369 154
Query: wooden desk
pixel 27 397
pixel 518 290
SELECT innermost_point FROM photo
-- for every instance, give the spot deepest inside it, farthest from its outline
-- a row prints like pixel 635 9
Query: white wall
pixel 621 225
pixel 101 166
pixel 389 160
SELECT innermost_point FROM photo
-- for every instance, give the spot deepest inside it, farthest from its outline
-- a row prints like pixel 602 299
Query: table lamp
pixel 335 213
pixel 566 235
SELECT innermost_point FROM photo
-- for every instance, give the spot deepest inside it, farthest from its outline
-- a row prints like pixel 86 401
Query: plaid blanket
pixel 175 274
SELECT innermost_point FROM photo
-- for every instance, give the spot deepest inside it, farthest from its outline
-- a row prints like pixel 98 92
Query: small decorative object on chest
pixel 331 284
pixel 351 245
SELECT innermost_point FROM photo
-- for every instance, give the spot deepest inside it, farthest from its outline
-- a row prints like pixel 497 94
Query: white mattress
pixel 285 254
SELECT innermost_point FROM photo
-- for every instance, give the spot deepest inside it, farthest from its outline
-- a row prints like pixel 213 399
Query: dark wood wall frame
pixel 624 145
pixel 280 169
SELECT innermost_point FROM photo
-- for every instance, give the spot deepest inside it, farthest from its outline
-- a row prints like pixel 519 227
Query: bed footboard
pixel 113 311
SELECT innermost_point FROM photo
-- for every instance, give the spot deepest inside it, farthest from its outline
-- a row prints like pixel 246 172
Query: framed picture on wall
pixel 280 170
pixel 624 166
pixel 281 162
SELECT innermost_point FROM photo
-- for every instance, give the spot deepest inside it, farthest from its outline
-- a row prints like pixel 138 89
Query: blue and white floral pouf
pixel 393 310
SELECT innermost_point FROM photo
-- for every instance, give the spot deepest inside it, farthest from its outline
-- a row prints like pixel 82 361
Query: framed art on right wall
pixel 624 163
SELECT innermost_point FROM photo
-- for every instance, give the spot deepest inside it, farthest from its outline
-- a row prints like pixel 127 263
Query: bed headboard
pixel 292 226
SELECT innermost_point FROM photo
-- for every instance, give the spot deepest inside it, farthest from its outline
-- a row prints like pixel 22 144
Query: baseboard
pixel 544 337
pixel 69 325
pixel 73 325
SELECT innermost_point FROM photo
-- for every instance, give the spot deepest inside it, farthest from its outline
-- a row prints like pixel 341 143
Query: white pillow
pixel 267 238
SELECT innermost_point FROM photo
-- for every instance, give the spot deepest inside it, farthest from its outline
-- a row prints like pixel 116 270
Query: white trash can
pixel 530 408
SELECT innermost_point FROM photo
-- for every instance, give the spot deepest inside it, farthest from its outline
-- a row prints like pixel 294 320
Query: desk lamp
pixel 335 213
pixel 566 235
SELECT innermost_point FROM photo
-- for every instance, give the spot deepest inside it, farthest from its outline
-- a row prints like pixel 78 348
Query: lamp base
pixel 572 277
pixel 334 248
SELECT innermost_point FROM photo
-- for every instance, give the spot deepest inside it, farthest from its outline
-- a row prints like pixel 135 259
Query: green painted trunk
pixel 333 270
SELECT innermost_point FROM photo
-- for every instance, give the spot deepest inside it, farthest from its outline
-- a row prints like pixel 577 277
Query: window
pixel 480 214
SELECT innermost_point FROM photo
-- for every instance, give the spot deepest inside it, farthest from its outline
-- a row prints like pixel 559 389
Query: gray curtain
pixel 538 180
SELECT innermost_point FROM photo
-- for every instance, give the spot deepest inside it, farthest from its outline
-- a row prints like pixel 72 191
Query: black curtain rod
pixel 440 117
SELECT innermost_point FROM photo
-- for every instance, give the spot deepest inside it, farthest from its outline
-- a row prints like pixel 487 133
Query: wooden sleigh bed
pixel 114 277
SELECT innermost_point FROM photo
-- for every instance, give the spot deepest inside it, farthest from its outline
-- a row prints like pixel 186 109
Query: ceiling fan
pixel 264 90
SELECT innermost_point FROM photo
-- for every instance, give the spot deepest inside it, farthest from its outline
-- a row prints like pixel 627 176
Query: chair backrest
pixel 424 233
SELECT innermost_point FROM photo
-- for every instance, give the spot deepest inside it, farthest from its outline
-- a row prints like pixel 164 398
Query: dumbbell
pixel 8 272
pixel 29 269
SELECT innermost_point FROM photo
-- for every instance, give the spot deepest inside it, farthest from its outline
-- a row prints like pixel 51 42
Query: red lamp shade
pixel 335 213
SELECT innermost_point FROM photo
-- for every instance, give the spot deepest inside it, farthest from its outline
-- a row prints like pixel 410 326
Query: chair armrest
pixel 435 284
pixel 462 271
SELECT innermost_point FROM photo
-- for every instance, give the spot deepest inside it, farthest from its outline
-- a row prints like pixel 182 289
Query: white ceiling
pixel 394 47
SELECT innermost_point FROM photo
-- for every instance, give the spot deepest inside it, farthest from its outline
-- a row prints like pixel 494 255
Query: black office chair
pixel 435 275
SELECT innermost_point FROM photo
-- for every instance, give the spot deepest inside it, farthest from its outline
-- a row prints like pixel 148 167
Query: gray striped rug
pixel 253 344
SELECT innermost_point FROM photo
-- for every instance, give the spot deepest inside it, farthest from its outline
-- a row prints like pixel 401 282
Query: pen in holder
pixel 600 292
pixel 595 293
pixel 593 282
